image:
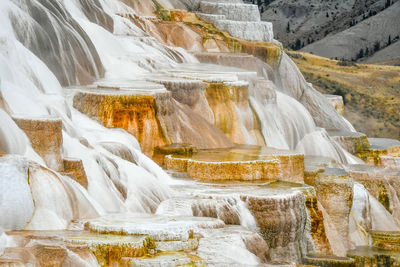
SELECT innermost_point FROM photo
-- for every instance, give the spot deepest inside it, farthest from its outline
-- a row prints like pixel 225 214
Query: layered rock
pixel 382 184
pixel 392 159
pixel 378 147
pixel 45 134
pixel 353 142
pixel 245 61
pixel 372 256
pixel 251 31
pixel 284 244
pixel 232 11
pixel 74 169
pixel 233 114
pixel 240 20
pixel 386 240
pixel 133 112
pixel 314 165
pixel 390 162
pixel 334 189
pixel 168 259
pixel 155 119
pixel 283 213
pixel 224 104
pixel 240 163
pixel 337 103
pixel 319 260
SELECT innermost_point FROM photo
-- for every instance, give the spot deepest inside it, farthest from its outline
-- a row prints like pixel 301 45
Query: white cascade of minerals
pixel 51 49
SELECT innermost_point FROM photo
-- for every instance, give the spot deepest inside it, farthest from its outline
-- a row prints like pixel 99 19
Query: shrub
pixel 346 63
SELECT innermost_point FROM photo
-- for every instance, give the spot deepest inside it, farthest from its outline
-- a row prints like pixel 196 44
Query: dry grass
pixel 371 92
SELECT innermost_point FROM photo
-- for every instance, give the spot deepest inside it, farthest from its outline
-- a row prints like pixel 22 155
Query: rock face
pixel 353 142
pixel 372 256
pixel 318 260
pixel 246 61
pixel 74 168
pixel 232 11
pixel 283 244
pixel 386 240
pixel 45 134
pixel 337 103
pixel 155 120
pixel 334 189
pixel 152 119
pixel 379 148
pixel 132 112
pixel 232 111
pixel 252 31
pixel 240 20
pixel 240 163
pixel 280 211
pixel 383 185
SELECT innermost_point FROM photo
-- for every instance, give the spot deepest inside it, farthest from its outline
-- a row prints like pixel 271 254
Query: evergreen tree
pixel 389 40
pixel 288 27
pixel 297 45
pixel 377 46
pixel 360 54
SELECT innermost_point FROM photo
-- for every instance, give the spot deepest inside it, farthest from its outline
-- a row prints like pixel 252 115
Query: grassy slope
pixel 371 92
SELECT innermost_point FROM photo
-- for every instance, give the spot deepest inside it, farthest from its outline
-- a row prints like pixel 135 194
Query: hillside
pixel 311 20
pixel 365 38
pixel 334 28
pixel 371 92
pixel 390 55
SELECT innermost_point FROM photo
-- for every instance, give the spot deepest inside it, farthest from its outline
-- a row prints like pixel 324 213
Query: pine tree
pixel 389 40
pixel 360 54
pixel 288 27
pixel 297 45
pixel 377 46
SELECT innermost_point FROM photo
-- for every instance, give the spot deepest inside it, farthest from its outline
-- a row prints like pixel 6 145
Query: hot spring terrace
pixel 232 198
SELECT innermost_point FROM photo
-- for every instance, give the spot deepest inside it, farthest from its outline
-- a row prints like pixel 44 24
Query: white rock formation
pixel 232 11
pixel 251 31
pixel 16 203
pixel 240 20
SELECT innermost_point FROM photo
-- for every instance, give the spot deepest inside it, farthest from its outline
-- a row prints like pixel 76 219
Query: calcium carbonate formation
pixel 178 132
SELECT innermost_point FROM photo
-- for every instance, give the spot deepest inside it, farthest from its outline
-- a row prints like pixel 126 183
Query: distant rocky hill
pixel 364 39
pixel 350 30
pixel 390 55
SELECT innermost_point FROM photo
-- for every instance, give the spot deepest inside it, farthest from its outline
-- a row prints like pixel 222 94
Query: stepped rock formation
pixel 259 168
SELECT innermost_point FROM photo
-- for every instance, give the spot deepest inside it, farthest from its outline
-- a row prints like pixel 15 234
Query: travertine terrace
pixel 178 133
